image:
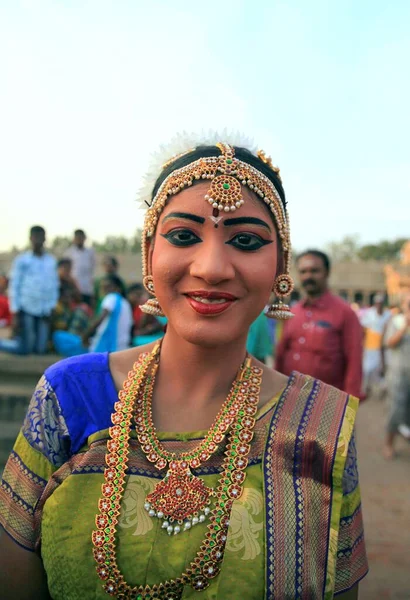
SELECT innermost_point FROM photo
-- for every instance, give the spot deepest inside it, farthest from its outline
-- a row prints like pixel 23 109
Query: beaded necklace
pixel 243 402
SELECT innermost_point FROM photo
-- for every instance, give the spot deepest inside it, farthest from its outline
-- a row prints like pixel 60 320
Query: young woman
pixel 187 466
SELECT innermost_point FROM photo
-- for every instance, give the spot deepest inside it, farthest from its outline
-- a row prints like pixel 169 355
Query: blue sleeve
pixel 86 394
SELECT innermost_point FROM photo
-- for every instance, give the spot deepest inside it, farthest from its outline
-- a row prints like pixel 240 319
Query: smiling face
pixel 213 281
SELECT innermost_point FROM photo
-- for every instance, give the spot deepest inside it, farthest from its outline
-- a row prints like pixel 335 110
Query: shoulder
pixel 86 394
pixel 308 391
pixel 344 307
pixel 50 258
pixel 22 258
pixel 109 301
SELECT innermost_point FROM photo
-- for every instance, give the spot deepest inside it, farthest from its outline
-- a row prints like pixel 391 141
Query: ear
pixel 149 249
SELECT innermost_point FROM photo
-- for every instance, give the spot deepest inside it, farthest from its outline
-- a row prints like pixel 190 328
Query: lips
pixel 210 303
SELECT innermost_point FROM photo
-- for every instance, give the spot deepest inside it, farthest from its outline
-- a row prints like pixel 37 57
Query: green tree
pixel 383 251
pixel 345 250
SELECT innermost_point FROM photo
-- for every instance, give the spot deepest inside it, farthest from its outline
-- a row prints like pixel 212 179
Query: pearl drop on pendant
pixel 160 514
pixel 152 513
pixel 177 529
pixel 165 525
pixel 202 518
pixel 195 521
pixel 187 525
pixel 147 506
pixel 170 529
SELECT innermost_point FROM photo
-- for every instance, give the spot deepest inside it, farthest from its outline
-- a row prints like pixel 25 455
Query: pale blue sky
pixel 89 88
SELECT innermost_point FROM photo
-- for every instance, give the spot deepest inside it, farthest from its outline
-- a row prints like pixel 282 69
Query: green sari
pixel 296 532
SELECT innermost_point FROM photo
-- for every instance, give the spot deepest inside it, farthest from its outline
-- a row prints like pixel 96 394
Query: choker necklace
pixel 180 497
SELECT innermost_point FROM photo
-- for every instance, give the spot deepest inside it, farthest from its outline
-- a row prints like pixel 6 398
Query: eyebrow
pixel 182 215
pixel 246 221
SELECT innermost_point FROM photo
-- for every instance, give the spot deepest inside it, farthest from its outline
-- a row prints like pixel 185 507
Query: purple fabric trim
pixel 269 489
pixel 297 465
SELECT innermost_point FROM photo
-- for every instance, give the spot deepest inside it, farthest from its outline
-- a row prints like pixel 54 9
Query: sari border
pixel 297 483
pixel 340 455
pixel 268 486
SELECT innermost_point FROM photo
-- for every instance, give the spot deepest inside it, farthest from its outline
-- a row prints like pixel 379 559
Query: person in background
pixel 5 314
pixel 71 319
pixel 63 311
pixel 65 275
pixel 146 328
pixel 33 294
pixel 111 329
pixel 83 264
pixel 397 342
pixel 325 338
pixel 374 321
pixel 110 265
pixel 259 342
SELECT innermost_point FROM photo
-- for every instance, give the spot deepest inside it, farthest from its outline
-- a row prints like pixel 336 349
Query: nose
pixel 211 262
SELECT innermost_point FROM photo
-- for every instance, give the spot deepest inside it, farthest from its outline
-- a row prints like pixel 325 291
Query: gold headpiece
pixel 227 175
pixel 268 161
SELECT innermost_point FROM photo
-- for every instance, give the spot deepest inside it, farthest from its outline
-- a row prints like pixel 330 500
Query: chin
pixel 209 332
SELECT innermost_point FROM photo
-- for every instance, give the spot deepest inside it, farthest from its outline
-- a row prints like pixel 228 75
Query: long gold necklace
pixel 206 564
pixel 181 500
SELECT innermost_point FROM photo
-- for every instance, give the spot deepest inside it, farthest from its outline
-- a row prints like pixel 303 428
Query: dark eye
pixel 182 237
pixel 248 241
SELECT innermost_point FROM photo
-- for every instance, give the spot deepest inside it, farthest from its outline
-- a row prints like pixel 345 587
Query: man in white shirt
pixel 83 265
pixel 111 330
pixel 33 293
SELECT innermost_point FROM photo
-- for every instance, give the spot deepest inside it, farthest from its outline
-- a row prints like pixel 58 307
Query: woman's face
pixel 212 282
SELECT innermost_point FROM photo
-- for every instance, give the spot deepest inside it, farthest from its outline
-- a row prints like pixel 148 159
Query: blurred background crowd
pixel 60 306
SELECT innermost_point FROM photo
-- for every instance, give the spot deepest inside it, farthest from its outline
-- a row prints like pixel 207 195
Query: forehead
pixel 310 262
pixel 192 200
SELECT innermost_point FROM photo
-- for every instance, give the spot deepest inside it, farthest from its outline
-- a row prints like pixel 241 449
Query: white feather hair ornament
pixel 180 144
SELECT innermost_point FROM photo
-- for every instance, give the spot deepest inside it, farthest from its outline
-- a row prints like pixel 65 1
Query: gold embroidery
pixel 133 513
pixel 244 530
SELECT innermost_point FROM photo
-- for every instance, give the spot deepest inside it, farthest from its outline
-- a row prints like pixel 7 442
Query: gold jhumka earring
pixel 282 287
pixel 151 306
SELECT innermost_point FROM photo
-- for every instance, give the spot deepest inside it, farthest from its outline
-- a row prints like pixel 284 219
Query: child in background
pixel 147 328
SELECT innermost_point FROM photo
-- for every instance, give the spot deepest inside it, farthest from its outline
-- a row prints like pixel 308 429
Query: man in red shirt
pixel 325 338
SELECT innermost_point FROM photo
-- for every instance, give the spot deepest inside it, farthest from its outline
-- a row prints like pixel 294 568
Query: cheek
pixel 168 263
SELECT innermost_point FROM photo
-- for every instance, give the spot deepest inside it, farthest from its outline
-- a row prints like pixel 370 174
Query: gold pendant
pixel 180 500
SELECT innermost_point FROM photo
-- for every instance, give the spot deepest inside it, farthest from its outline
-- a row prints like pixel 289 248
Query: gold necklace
pixel 206 564
pixel 181 500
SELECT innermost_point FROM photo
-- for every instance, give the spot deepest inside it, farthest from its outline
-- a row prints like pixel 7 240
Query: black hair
pixel 113 260
pixel 319 254
pixel 64 261
pixel 79 232
pixel 135 287
pixel 114 280
pixel 242 154
pixel 37 229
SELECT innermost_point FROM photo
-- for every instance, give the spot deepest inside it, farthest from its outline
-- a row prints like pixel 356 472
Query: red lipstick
pixel 221 301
